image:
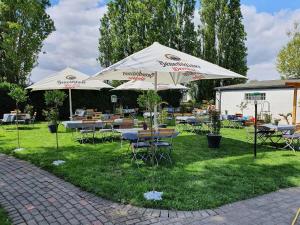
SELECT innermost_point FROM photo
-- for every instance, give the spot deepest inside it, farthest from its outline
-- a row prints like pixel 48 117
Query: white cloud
pixel 75 41
pixel 266 36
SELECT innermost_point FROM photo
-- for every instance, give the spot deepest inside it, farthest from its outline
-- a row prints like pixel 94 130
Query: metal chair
pixel 88 127
pixel 292 140
pixel 164 141
pixel 32 119
pixel 140 147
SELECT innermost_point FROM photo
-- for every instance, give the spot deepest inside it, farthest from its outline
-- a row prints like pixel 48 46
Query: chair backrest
pixel 145 134
pixel 97 115
pixel 113 117
pixel 297 129
pixel 166 132
pixel 127 123
pixel 34 116
pixel 88 124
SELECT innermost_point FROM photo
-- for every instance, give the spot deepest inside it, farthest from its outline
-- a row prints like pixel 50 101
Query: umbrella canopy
pixel 141 85
pixel 68 79
pixel 165 65
pixel 160 64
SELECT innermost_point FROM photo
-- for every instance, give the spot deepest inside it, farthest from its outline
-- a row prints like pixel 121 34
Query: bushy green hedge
pixel 99 100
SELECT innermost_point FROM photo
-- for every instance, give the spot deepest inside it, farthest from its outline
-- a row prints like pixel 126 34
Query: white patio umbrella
pixel 144 86
pixel 68 79
pixel 160 64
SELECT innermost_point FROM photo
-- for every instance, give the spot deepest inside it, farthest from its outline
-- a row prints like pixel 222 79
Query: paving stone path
pixel 33 196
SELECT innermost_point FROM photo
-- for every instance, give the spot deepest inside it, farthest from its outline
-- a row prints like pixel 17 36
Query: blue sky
pixel 272 5
pixel 75 41
pixel 261 5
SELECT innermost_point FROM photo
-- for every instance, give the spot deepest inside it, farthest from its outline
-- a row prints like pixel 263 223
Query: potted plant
pixel 214 137
pixel 51 116
pixel 242 106
pixel 53 99
pixel 162 118
pixel 19 95
pixel 286 117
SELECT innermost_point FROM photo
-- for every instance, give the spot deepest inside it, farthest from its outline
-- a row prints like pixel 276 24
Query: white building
pixel 278 98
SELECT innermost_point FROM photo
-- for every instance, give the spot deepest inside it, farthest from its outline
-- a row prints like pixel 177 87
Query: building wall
pixel 281 101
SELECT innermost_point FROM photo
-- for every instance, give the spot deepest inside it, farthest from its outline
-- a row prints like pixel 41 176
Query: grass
pixel 199 177
pixel 3 218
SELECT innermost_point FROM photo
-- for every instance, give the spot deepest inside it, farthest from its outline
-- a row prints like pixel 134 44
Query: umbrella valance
pixel 141 85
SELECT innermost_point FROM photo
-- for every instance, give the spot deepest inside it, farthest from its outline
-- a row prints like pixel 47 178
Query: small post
pixel 70 104
pixel 255 127
pixel 294 115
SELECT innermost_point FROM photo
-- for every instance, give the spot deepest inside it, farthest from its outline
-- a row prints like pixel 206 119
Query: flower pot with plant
pixel 214 137
pixel 51 116
pixel 53 99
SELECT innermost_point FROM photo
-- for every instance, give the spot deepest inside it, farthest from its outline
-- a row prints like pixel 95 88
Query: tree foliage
pixel 130 26
pixel 24 24
pixel 18 94
pixel 288 59
pixel 221 38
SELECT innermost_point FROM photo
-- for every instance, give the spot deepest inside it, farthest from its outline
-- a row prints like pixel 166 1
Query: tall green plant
pixel 19 95
pixel 215 126
pixel 54 99
pixel 149 100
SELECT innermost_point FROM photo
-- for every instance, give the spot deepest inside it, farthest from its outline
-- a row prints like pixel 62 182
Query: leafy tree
pixel 221 41
pixel 24 24
pixel 288 59
pixel 54 99
pixel 130 26
pixel 19 95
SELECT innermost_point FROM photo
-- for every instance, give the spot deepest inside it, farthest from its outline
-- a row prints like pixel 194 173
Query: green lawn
pixel 198 178
pixel 3 218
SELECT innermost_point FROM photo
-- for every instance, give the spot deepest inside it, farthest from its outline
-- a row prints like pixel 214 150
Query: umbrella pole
pixel 70 103
pixel 155 107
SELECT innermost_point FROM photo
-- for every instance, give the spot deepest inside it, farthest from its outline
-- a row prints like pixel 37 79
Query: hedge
pixel 99 100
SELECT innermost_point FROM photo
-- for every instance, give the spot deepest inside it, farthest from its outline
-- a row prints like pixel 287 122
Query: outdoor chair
pixel 87 130
pixel 265 134
pixel 105 133
pixel 164 143
pixel 97 116
pixel 140 147
pixel 32 119
pixel 21 118
pixel 126 123
pixel 292 140
pixel 89 113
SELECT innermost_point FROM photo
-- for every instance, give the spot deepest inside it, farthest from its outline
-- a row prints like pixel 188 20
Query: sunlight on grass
pixel 198 178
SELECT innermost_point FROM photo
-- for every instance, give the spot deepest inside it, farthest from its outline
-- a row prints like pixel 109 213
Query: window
pixel 258 96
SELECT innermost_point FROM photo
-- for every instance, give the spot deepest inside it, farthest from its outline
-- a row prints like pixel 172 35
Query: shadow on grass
pixel 198 178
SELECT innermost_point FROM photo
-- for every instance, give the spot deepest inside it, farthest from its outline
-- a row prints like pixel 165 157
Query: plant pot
pixel 213 140
pixel 52 128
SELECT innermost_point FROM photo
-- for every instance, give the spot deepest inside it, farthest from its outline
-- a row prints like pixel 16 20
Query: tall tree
pixel 222 41
pixel 288 59
pixel 131 25
pixel 24 24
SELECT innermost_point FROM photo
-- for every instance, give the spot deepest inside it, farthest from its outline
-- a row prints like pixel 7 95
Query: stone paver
pixel 32 196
